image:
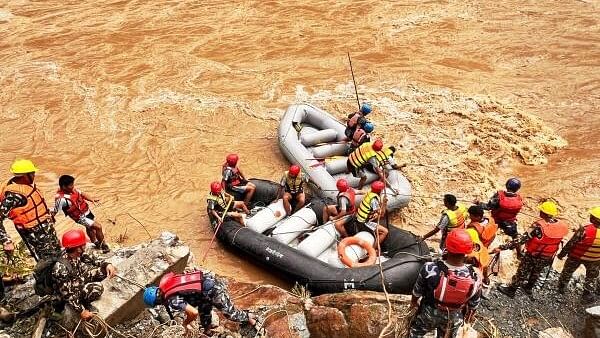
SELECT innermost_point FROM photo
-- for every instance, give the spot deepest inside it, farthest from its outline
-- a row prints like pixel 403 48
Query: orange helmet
pixel 73 238
pixel 294 170
pixel 232 160
pixel 378 145
pixel 459 242
pixel 342 185
pixel 377 187
pixel 215 187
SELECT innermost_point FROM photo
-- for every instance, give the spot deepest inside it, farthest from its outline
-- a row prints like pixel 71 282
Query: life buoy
pixel 344 243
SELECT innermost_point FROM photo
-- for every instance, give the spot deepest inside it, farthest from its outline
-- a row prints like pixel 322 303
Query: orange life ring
pixel 341 249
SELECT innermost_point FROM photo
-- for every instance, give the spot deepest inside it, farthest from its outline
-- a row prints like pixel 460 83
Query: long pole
pixel 354 81
pixel 216 230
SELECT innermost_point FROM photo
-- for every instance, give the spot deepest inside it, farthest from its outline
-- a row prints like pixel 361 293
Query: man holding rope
pixel 219 203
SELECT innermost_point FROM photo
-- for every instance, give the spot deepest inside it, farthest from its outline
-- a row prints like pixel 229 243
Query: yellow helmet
pixel 474 235
pixel 22 167
pixel 549 208
pixel 595 211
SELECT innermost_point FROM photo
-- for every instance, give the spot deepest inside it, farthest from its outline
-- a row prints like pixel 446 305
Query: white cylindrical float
pixel 293 226
pixel 328 150
pixel 356 252
pixel 318 241
pixel 336 166
pixel 321 136
pixel 267 217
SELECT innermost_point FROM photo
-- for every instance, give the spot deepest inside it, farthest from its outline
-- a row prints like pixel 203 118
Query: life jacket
pixel 383 155
pixel 353 121
pixel 350 194
pixel 509 207
pixel 480 254
pixel 34 212
pixel 487 232
pixel 293 185
pixel 362 154
pixel 588 249
pixel 359 137
pixel 453 291
pixel 457 217
pixel 552 235
pixel 364 212
pixel 221 200
pixel 78 206
pixel 180 284
pixel 235 179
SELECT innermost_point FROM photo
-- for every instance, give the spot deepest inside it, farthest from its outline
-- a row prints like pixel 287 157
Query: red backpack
pixel 453 291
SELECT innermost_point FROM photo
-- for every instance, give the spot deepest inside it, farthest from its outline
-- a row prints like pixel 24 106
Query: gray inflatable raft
pixel 315 140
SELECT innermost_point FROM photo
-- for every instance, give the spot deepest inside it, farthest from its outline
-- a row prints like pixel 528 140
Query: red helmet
pixel 232 160
pixel 215 187
pixel 378 145
pixel 73 238
pixel 377 187
pixel 342 185
pixel 294 170
pixel 459 242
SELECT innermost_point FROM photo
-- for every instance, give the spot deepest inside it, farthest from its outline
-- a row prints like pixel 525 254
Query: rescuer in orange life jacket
pixel 195 293
pixel 583 248
pixel 505 205
pixel 73 203
pixel 24 204
pixel 541 241
pixel 454 217
pixel 450 290
pixel 234 179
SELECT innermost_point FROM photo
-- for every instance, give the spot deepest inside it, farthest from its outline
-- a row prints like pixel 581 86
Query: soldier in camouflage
pixel 77 274
pixel 195 294
pixel 23 203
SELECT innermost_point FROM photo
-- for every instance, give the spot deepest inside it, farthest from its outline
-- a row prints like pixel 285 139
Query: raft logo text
pixel 274 252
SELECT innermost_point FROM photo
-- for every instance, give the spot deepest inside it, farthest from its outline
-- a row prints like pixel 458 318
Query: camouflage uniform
pixel 431 317
pixel 78 284
pixel 41 240
pixel 216 296
pixel 592 269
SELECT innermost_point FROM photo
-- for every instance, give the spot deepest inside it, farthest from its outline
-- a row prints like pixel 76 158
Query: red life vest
pixel 552 235
pixel 353 121
pixel 79 206
pixel 588 249
pixel 172 284
pixel 359 137
pixel 350 194
pixel 453 291
pixel 235 179
pixel 509 207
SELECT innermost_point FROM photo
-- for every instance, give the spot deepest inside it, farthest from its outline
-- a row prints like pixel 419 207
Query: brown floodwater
pixel 141 100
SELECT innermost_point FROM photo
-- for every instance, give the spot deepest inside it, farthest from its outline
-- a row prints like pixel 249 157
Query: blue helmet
pixel 513 184
pixel 365 108
pixel 368 127
pixel 150 296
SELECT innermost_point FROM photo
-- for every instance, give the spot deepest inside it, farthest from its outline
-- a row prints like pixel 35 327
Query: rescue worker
pixel 357 119
pixel 370 210
pixel 73 203
pixel 195 294
pixel 24 204
pixel 454 217
pixel 449 289
pixel 78 274
pixel 234 179
pixel 486 227
pixel 344 208
pixel 361 135
pixel 360 158
pixel 480 257
pixel 541 240
pixel 505 206
pixel 292 186
pixel 219 204
pixel 583 248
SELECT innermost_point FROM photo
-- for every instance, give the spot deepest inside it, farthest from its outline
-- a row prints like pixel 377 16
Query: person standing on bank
pixel 73 203
pixel 454 217
pixel 505 206
pixel 23 203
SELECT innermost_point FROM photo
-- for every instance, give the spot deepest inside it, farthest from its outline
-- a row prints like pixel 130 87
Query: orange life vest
pixel 34 212
pixel 552 235
pixel 453 291
pixel 180 284
pixel 236 179
pixel 350 194
pixel 78 206
pixel 486 232
pixel 588 249
pixel 509 207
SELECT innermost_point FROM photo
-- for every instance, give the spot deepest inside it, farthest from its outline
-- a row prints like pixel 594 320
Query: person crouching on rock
pixel 450 290
pixel 74 204
pixel 219 203
pixel 77 274
pixel 195 294
pixel 292 185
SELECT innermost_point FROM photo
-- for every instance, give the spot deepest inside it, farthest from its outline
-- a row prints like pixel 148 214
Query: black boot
pixel 508 290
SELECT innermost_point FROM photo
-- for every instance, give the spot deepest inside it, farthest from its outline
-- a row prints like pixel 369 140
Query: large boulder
pixel 556 332
pixel 327 322
pixel 592 322
pixel 144 264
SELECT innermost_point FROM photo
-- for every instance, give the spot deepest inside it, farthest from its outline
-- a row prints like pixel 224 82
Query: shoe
pixel 105 248
pixel 508 290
